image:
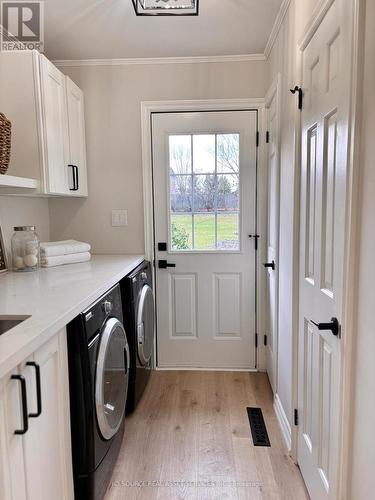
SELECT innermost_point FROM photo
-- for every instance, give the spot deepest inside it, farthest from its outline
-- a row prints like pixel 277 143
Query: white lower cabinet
pixel 35 460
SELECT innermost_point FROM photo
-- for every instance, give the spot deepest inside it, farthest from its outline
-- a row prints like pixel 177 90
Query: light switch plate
pixel 119 218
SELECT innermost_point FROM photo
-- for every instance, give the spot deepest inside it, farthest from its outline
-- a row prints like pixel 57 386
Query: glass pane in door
pixel 204 192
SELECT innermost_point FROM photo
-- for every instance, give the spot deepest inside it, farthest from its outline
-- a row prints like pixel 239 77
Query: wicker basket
pixel 5 143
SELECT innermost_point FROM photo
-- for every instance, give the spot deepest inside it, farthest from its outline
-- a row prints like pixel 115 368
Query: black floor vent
pixel 258 427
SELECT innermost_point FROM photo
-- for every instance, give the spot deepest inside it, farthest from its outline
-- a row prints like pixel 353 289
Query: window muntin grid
pixel 204 192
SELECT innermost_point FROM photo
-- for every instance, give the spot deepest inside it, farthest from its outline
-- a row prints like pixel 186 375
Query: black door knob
pixel 163 264
pixel 270 264
pixel 334 326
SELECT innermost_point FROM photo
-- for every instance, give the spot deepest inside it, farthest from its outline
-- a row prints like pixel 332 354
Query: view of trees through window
pixel 204 175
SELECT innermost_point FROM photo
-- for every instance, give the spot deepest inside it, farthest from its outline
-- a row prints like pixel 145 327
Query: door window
pixel 204 192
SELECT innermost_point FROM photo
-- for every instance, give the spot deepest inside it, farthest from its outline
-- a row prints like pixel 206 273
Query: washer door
pixel 145 324
pixel 112 377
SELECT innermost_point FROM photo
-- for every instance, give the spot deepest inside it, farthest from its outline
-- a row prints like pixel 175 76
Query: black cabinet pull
pixel 75 178
pixel 270 264
pixel 334 326
pixel 38 389
pixel 22 381
pixel 163 264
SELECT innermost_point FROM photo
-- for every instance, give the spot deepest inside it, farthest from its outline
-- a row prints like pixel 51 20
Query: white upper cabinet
pixel 47 115
pixel 76 139
pixel 54 114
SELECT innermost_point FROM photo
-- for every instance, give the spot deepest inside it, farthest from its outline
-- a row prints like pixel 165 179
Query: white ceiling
pixel 101 29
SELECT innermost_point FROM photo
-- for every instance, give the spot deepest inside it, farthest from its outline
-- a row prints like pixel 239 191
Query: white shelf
pixel 10 181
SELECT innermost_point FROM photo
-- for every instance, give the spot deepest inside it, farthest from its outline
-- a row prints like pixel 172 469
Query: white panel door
pixel 323 202
pixel 55 127
pixel 77 173
pixel 205 209
pixel 272 109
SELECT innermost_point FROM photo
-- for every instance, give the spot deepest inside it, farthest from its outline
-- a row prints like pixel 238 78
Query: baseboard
pixel 283 422
pixel 200 369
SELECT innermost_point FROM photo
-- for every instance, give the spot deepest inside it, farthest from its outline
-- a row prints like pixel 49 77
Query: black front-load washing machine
pixel 139 321
pixel 99 361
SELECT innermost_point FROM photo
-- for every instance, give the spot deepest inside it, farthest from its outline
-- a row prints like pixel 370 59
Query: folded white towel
pixel 65 247
pixel 61 260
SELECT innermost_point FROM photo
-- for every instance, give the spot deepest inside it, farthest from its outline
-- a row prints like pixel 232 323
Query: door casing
pixel 274 93
pixel 150 107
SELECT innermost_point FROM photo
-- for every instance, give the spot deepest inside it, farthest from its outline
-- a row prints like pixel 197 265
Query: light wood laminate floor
pixel 190 439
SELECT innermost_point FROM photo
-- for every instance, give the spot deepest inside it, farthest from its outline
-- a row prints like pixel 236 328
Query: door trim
pixel 275 92
pixel 355 12
pixel 148 108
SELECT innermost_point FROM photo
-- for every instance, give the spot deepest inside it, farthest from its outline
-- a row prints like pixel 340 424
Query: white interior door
pixel 323 203
pixel 205 209
pixel 272 109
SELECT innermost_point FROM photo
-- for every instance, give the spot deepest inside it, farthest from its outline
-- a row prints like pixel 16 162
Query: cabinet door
pixel 77 141
pixel 12 475
pixel 55 127
pixel 20 102
pixel 47 451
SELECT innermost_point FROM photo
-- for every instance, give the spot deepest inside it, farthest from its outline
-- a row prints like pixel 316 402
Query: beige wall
pixel 17 211
pixel 113 129
pixel 363 456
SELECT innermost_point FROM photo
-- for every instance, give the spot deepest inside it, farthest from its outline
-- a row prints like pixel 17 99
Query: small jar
pixel 25 249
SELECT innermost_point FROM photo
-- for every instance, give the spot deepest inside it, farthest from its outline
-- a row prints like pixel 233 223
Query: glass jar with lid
pixel 25 249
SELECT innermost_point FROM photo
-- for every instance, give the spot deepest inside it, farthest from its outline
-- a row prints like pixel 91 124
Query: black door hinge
pixel 300 96
pixel 256 238
pixel 295 416
pixel 267 137
pixel 256 341
pixel 257 139
pixel 265 340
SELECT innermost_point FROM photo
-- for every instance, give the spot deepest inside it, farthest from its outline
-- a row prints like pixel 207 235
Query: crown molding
pixel 159 60
pixel 186 60
pixel 276 27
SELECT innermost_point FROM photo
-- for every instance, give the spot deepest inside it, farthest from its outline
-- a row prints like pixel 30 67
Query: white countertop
pixel 53 297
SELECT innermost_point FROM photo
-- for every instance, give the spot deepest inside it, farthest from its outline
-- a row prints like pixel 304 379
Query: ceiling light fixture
pixel 166 7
